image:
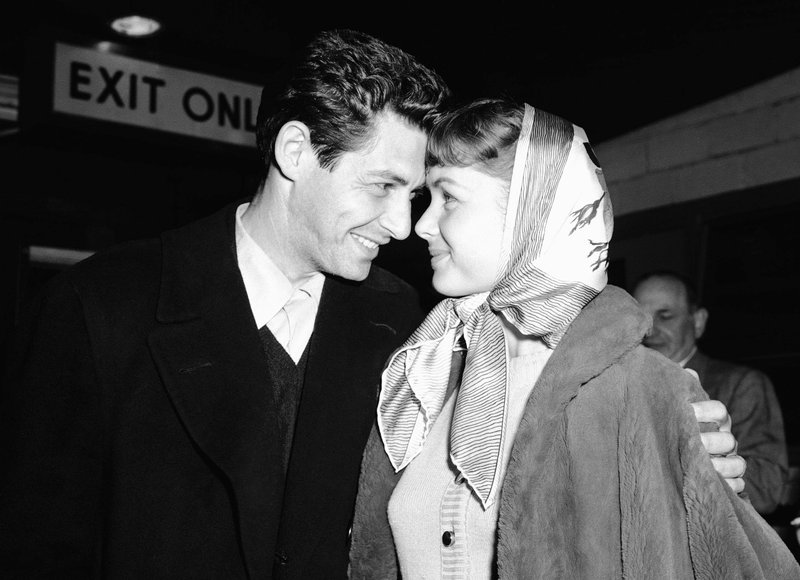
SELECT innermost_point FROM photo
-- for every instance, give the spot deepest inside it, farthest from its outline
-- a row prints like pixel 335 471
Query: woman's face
pixel 464 229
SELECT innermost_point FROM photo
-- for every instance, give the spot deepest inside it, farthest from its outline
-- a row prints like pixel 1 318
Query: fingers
pixel 721 445
pixel 732 467
pixel 737 485
pixel 712 412
pixel 693 373
pixel 718 442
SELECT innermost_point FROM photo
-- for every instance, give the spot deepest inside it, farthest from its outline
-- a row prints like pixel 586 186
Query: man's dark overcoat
pixel 140 428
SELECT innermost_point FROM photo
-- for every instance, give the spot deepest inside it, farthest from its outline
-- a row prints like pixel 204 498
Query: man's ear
pixel 700 317
pixel 292 146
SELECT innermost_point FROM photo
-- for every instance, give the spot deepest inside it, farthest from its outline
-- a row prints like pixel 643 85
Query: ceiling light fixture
pixel 137 26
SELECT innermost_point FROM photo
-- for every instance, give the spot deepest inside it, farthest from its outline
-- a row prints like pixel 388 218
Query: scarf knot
pixel 419 374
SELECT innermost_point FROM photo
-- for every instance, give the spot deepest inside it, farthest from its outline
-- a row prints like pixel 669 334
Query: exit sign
pixel 101 85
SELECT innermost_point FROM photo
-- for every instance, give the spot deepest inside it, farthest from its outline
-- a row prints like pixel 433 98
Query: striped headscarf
pixel 555 252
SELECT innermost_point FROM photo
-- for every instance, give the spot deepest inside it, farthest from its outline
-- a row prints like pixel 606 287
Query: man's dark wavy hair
pixel 343 80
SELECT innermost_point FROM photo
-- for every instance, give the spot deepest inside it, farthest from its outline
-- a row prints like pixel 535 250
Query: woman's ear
pixel 292 146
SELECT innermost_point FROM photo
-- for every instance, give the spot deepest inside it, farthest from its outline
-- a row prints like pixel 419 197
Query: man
pixel 197 406
pixel 153 420
pixel 678 323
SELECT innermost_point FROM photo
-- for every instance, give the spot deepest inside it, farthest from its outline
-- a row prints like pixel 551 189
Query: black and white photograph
pixel 399 291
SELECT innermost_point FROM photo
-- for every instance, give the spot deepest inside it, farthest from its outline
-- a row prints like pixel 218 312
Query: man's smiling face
pixel 344 214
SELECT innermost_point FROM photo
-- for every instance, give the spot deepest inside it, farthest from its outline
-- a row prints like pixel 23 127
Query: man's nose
pixel 654 331
pixel 396 217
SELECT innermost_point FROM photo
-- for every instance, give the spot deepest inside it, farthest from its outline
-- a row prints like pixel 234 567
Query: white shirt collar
pixel 688 356
pixel 268 289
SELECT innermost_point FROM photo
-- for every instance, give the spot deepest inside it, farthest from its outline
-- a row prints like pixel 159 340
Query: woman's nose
pixel 426 226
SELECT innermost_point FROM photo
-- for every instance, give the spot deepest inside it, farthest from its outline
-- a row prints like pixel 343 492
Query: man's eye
pixel 380 189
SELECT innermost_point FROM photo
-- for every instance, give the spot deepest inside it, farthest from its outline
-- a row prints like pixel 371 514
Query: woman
pixel 523 431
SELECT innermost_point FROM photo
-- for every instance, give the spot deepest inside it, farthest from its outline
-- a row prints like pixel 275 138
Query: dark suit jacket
pixel 139 429
pixel 757 424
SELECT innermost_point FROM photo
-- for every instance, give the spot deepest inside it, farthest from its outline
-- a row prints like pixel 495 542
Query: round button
pixel 448 538
pixel 281 558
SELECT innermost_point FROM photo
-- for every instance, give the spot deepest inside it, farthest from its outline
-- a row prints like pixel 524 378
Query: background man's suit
pixel 161 457
pixel 757 424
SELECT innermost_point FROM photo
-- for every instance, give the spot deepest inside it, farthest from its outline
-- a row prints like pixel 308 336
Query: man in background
pixel 678 323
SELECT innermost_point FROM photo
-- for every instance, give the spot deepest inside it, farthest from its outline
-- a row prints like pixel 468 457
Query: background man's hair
pixel 688 284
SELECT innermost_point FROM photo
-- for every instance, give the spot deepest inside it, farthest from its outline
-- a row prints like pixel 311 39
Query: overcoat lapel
pixel 212 364
pixel 605 330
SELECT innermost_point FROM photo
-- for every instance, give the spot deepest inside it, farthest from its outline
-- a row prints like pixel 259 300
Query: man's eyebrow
pixel 389 176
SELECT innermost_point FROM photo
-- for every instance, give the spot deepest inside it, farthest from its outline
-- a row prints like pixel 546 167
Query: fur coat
pixel 608 477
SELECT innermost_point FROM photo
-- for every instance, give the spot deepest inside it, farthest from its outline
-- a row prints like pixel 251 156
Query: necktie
pixel 288 326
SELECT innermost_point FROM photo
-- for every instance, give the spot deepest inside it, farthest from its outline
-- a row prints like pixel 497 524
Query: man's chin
pixel 353 274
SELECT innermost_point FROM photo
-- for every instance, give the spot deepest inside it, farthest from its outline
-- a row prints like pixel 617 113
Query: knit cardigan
pixel 608 477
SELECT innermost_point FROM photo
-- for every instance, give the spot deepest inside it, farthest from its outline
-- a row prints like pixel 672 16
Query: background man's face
pixel 673 333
